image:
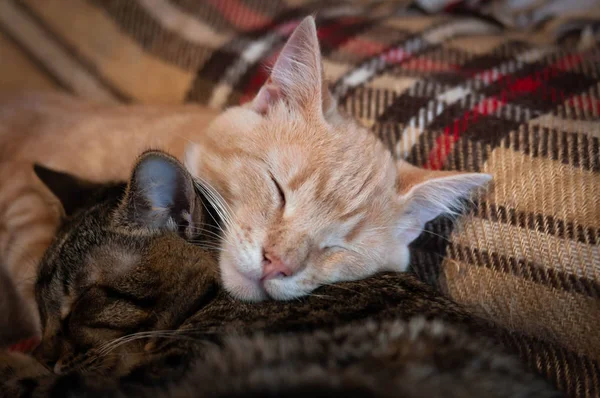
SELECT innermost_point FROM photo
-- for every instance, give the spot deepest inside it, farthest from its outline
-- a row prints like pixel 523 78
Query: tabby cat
pixel 310 196
pixel 130 308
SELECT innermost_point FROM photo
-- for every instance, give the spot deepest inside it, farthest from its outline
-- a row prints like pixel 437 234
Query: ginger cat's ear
pixel 425 194
pixel 160 195
pixel 297 76
pixel 71 191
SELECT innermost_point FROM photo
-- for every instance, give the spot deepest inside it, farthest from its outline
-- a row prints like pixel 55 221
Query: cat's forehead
pixel 321 163
pixel 70 246
pixel 84 240
pixel 320 146
pixel 237 122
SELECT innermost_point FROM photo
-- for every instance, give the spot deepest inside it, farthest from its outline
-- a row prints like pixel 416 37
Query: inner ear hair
pixel 296 77
pixel 424 195
pixel 160 195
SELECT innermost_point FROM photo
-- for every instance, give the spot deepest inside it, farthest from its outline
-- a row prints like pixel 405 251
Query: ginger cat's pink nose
pixel 274 267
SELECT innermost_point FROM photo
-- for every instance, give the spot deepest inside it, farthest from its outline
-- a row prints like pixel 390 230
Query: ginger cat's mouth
pixel 310 196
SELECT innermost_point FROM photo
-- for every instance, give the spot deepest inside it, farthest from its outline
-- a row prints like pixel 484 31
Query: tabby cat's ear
pixel 160 195
pixel 297 76
pixel 71 191
pixel 425 194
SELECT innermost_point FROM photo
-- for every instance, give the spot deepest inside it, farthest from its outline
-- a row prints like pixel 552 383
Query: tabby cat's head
pixel 313 197
pixel 110 270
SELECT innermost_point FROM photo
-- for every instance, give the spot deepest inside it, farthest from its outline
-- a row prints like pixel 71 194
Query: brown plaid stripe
pixel 444 92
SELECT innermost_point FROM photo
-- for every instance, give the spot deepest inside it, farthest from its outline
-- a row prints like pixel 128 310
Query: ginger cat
pixel 313 198
pixel 310 196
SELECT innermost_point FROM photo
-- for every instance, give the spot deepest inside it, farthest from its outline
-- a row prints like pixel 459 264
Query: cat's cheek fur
pixel 240 266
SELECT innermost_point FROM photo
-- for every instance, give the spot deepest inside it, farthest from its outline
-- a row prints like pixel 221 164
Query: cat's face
pixel 117 267
pixel 312 197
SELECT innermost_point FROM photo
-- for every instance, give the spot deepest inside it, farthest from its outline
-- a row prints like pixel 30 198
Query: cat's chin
pixel 241 287
pixel 246 289
pixel 284 289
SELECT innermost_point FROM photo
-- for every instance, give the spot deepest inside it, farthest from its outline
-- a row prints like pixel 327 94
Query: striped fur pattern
pixel 444 91
pixel 368 359
pixel 129 307
pixel 295 179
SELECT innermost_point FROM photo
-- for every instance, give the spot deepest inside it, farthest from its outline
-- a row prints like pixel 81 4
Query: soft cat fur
pixel 130 308
pixel 311 197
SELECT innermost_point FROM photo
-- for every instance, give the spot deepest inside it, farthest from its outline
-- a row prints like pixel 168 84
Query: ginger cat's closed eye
pixel 310 196
pixel 313 197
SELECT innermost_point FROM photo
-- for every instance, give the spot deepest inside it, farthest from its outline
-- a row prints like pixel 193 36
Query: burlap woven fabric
pixel 442 91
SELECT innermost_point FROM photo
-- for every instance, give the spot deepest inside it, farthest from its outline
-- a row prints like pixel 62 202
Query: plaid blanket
pixel 468 89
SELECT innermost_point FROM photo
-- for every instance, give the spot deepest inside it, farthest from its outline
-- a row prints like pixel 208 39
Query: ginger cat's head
pixel 312 197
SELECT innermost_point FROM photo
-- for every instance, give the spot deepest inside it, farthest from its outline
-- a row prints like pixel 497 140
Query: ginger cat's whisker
pixel 200 230
pixel 426 232
pixel 217 201
pixel 215 248
pixel 423 231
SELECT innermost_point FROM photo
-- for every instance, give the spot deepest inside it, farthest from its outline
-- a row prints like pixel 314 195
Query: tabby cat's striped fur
pixel 131 308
